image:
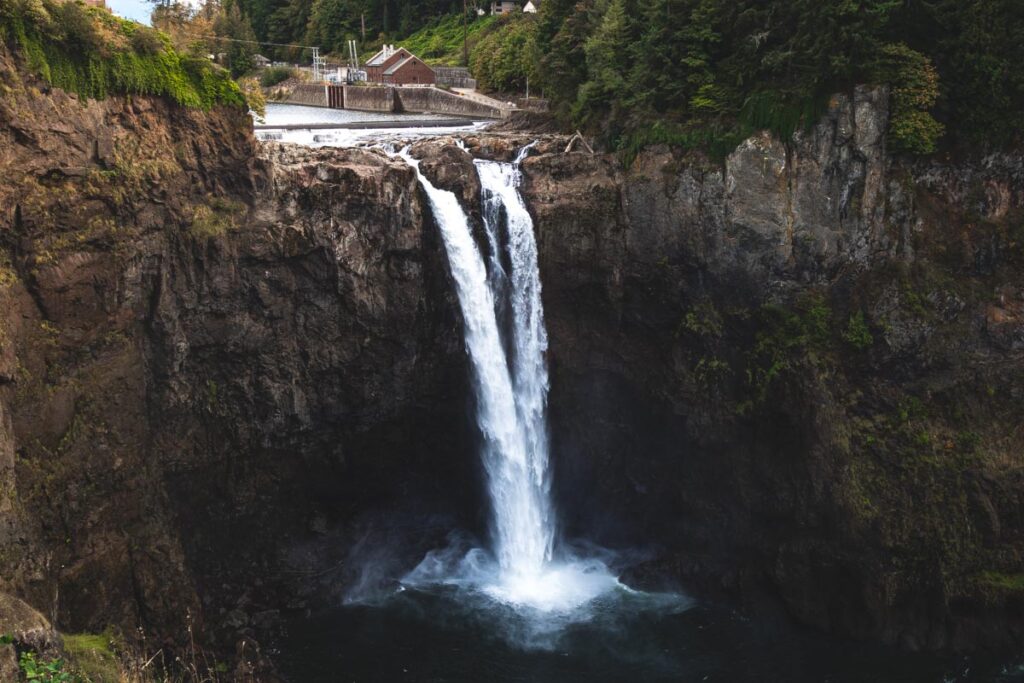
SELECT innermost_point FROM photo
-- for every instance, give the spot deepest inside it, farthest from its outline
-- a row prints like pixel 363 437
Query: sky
pixel 138 10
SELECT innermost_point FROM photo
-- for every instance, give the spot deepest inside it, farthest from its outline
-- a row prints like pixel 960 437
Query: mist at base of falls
pixel 558 589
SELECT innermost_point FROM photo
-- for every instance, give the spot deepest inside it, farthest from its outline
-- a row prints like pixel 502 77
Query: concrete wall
pixel 407 99
pixel 368 98
pixel 454 77
pixel 310 94
pixel 441 102
pixel 532 104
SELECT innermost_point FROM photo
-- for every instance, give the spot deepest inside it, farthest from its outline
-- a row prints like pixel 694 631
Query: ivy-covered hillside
pixel 90 52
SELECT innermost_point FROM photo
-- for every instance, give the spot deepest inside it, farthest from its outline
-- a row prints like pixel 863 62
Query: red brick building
pixel 409 71
pixel 382 61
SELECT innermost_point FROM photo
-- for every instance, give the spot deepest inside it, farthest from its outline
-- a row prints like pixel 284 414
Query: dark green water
pixel 442 636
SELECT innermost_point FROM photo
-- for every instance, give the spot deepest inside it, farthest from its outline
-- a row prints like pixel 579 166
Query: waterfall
pixel 528 340
pixel 506 341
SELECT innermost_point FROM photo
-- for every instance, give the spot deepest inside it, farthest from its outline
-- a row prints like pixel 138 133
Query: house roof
pixel 381 55
pixel 384 55
pixel 398 65
pixel 398 55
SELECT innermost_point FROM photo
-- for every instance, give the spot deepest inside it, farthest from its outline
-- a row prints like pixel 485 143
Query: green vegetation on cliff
pixel 693 70
pixel 93 654
pixel 329 23
pixel 90 52
pixel 441 40
pixel 506 58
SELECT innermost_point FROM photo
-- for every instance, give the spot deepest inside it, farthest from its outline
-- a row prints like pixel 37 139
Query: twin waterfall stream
pixel 499 295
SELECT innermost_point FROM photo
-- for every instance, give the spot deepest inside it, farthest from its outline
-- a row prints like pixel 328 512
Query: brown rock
pixel 28 627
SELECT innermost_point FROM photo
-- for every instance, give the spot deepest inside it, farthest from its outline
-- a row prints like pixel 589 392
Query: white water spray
pixel 511 386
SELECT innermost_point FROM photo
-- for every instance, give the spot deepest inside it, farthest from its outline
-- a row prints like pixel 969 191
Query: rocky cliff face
pixel 95 197
pixel 796 373
pixel 216 363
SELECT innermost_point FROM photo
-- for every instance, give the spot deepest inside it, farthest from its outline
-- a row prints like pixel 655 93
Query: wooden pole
pixel 465 36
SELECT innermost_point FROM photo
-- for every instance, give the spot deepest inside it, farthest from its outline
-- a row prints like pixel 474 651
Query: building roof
pixel 398 65
pixel 381 55
pixel 385 53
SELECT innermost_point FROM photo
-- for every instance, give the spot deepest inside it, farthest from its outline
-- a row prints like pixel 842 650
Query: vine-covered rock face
pixel 232 379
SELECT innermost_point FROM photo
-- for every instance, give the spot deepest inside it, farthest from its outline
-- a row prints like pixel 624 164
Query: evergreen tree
pixel 563 61
pixel 607 60
pixel 505 59
pixel 241 44
pixel 672 59
pixel 287 25
pixel 330 24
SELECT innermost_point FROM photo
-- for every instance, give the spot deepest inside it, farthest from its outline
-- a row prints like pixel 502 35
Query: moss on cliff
pixel 215 218
pixel 92 53
pixel 93 655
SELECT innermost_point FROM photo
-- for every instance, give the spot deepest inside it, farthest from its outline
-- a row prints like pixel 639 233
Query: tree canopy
pixel 691 70
pixel 702 71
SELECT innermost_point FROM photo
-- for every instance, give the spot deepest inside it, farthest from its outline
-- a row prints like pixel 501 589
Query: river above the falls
pixel 278 114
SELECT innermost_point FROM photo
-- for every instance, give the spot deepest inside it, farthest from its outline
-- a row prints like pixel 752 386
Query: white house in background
pixel 504 7
pixel 530 7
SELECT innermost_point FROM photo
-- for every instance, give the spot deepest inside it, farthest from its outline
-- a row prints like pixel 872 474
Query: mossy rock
pixel 215 219
pixel 94 656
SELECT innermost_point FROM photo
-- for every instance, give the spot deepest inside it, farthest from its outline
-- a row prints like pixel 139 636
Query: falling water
pixel 511 386
pixel 520 289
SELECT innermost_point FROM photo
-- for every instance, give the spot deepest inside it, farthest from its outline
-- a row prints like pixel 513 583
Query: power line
pixel 251 42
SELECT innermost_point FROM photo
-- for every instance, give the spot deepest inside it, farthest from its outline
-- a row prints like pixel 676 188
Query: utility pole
pixel 318 65
pixel 353 55
pixel 362 23
pixel 465 35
